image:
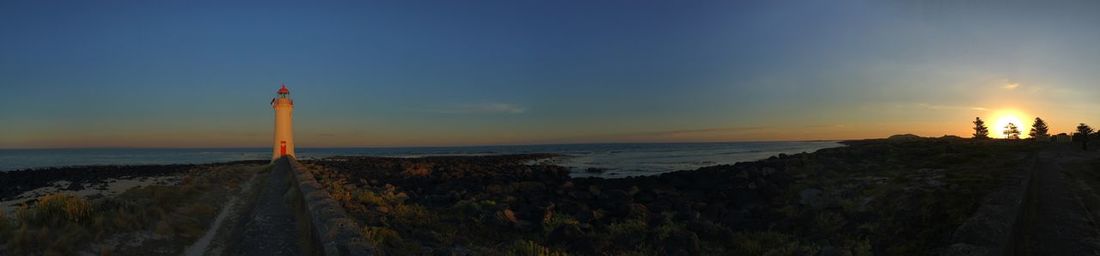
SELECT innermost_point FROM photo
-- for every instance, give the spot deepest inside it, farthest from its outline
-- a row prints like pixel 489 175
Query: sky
pixel 443 73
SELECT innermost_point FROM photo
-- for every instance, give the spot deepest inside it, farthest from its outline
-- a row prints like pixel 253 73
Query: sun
pixel 1005 116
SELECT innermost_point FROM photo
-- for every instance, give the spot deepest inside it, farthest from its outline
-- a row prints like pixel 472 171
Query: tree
pixel 980 131
pixel 1082 135
pixel 1039 130
pixel 1011 132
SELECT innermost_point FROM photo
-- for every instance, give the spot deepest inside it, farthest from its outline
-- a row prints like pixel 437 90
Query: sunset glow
pixel 1002 118
pixel 387 74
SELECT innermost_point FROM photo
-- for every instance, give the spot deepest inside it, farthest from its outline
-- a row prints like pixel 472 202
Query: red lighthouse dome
pixel 284 90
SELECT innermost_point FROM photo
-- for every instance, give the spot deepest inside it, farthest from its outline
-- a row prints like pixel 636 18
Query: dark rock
pixel 811 197
pixel 637 211
pixel 507 216
pixel 581 195
pixel 828 251
pixel 567 235
pixel 709 231
pixel 595 170
pixel 681 242
pixel 585 216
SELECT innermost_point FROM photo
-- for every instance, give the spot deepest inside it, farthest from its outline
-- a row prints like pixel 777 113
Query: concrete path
pixel 270 229
pixel 1058 223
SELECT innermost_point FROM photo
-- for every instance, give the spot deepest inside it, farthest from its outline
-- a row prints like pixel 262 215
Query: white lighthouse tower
pixel 284 133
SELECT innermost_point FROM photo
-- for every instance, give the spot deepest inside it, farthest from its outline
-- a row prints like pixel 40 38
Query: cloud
pixel 679 135
pixel 484 108
pixel 701 131
pixel 1011 86
pixel 949 107
pixel 820 126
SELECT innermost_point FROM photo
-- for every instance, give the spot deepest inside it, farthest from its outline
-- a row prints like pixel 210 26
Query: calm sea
pixel 618 159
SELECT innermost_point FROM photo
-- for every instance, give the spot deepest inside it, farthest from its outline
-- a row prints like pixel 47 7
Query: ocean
pixel 618 160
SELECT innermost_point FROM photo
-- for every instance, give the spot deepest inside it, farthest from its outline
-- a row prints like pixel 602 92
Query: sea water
pixel 615 160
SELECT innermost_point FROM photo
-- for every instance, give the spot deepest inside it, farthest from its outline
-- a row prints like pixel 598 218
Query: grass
pixel 64 224
pixel 5 227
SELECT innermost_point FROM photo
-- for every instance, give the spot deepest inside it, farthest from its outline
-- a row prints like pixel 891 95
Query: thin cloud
pixel 949 107
pixel 701 131
pixel 485 108
pixel 1011 86
pixel 826 126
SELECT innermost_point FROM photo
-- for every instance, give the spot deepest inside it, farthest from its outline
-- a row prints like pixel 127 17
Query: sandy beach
pixel 91 190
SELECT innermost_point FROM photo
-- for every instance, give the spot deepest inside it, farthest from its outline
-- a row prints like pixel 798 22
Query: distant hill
pixel 905 137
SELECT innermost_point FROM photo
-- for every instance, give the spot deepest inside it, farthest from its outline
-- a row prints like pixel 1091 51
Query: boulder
pixel 567 235
pixel 811 197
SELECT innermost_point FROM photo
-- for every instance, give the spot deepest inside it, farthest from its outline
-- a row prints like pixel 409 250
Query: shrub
pixel 417 169
pixel 862 248
pixel 5 226
pixel 628 234
pixel 411 215
pixel 369 198
pixel 530 248
pixel 770 243
pixel 57 209
pixel 380 236
pixel 557 220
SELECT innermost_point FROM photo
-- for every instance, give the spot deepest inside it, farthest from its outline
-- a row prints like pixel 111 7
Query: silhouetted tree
pixel 1039 130
pixel 1082 135
pixel 1011 132
pixel 980 131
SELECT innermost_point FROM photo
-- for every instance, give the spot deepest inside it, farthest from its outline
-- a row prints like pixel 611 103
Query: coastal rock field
pixel 896 197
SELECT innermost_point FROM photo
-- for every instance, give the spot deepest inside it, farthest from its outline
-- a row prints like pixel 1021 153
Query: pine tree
pixel 980 131
pixel 1082 135
pixel 1039 130
pixel 1011 132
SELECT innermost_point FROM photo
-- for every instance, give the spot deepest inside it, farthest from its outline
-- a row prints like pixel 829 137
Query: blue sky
pixel 409 73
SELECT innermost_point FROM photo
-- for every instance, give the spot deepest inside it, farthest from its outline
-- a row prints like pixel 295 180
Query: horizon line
pixel 444 146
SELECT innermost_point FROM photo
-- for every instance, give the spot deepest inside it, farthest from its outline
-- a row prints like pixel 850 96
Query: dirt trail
pixel 1056 221
pixel 232 207
pixel 270 228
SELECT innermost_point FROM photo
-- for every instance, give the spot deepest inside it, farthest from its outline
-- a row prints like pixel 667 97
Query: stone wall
pixel 337 232
pixel 995 227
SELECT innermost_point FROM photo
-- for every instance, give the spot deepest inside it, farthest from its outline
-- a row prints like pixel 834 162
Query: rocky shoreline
pixel 874 196
pixel 870 197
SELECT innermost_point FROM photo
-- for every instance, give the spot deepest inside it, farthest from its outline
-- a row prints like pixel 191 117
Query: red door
pixel 282 148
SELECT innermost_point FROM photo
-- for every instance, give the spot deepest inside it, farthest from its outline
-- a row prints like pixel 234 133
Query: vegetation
pixel 891 197
pixel 1082 135
pixel 1039 130
pixel 170 216
pixel 980 131
pixel 1011 132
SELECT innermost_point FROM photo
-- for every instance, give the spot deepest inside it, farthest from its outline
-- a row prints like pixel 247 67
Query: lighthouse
pixel 284 133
